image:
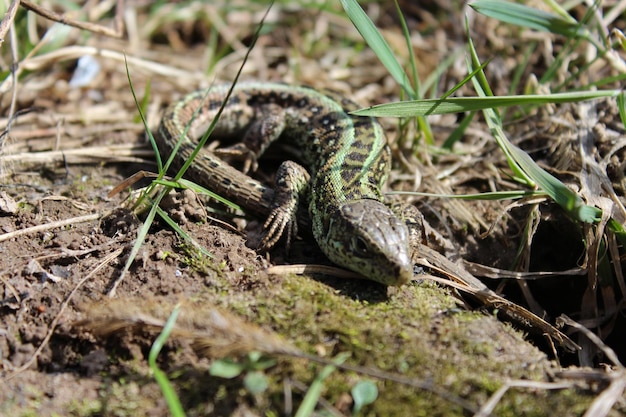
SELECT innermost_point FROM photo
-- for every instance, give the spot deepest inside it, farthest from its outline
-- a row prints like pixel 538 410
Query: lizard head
pixel 366 237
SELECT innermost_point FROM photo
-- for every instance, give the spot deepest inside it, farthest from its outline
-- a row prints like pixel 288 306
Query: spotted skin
pixel 346 162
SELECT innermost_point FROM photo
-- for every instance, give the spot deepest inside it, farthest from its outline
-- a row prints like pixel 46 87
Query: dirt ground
pixel 68 346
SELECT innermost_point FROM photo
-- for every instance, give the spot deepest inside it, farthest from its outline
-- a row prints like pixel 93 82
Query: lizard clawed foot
pixel 291 181
pixel 280 222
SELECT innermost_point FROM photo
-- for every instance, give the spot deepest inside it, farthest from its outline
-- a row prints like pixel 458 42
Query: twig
pixel 490 405
pixel 301 269
pixel 116 32
pixel 603 403
pixel 92 154
pixel 48 226
pixel 610 353
pixel 5 24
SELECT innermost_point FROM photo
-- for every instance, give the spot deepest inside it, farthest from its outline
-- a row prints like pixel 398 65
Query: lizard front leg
pixel 291 184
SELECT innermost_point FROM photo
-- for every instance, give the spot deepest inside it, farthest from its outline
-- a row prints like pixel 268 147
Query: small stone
pixel 7 204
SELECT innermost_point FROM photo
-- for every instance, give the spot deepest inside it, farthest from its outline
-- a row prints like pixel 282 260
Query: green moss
pixel 84 407
pixel 198 261
pixel 125 399
pixel 417 331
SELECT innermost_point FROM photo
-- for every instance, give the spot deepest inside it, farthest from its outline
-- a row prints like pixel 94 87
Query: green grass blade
pixel 141 237
pixel 559 192
pixel 209 131
pixel 621 100
pixel 619 231
pixel 464 81
pixel 611 79
pixel 145 101
pixel 529 17
pixel 143 231
pixel 177 229
pixel 458 132
pixel 315 390
pixel 379 45
pixel 495 195
pixel 143 117
pixel 463 104
pixel 409 47
pixel 173 402
pixel 491 114
pixel 422 122
pixel 523 166
pixel 198 189
pixel 435 76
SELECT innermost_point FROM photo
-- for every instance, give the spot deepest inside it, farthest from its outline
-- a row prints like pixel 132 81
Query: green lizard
pixel 347 161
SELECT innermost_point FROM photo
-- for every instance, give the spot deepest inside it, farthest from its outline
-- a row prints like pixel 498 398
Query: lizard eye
pixel 359 246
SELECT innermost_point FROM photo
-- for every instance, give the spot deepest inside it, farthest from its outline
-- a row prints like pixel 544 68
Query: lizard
pixel 346 162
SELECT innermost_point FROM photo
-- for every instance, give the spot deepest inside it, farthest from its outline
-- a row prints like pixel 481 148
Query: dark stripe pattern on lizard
pixel 346 161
